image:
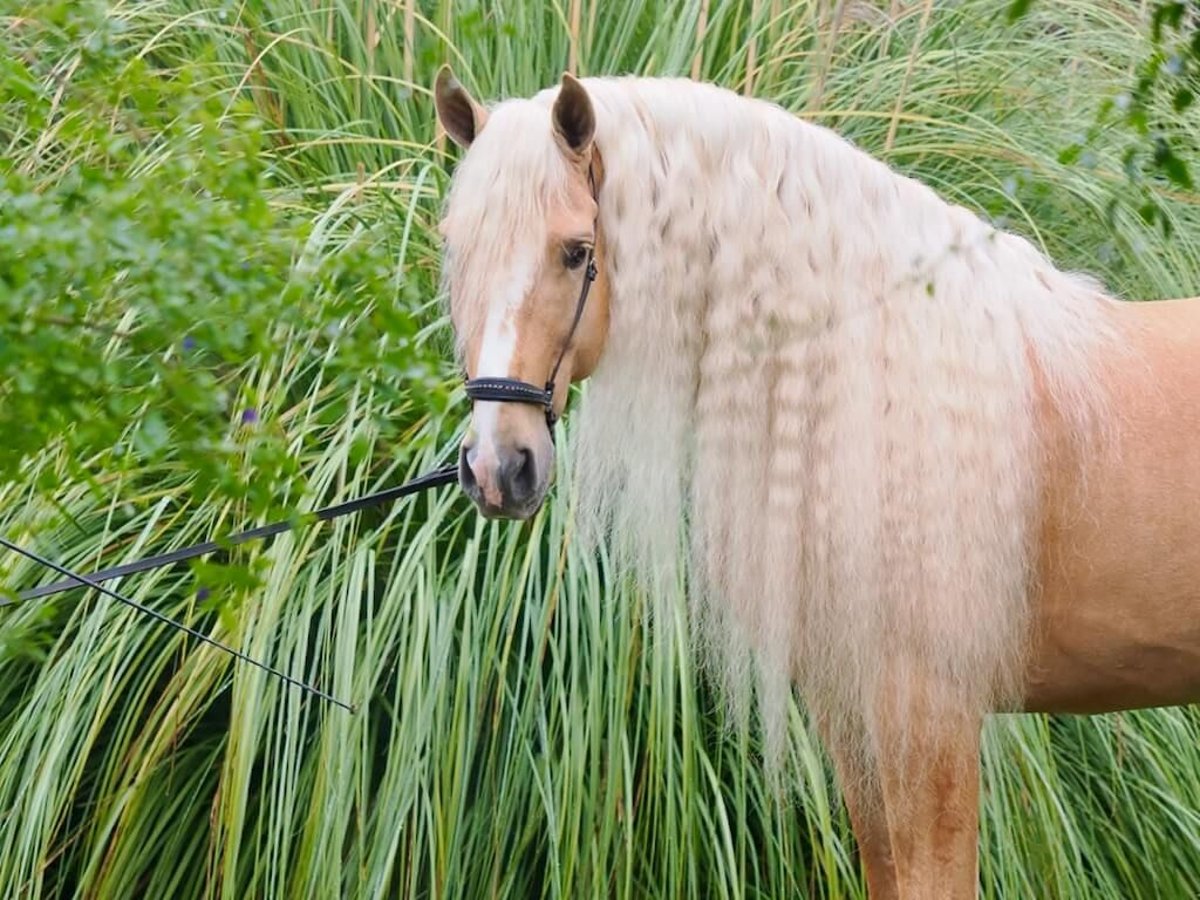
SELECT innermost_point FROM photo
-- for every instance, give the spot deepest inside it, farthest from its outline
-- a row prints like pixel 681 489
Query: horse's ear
pixel 574 119
pixel 459 114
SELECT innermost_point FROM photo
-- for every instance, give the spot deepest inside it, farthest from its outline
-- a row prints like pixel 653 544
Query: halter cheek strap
pixel 513 390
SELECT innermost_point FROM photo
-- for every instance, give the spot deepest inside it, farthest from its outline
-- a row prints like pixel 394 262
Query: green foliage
pixel 1018 8
pixel 1164 85
pixel 147 275
pixel 213 207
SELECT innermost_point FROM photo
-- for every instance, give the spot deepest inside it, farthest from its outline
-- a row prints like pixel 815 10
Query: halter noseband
pixel 513 390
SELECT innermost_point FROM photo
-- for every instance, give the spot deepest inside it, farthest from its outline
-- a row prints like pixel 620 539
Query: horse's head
pixel 520 230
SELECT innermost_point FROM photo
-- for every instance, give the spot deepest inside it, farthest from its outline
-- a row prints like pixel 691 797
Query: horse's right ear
pixel 573 117
pixel 459 114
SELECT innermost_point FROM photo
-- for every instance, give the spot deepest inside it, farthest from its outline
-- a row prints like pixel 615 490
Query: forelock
pixel 499 202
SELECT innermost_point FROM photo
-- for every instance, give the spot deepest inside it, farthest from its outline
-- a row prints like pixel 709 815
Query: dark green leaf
pixel 1018 8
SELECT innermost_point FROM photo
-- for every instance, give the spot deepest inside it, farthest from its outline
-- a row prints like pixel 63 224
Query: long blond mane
pixel 819 380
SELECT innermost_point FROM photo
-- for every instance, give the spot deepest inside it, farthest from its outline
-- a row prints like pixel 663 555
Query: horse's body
pixel 1117 599
pixel 1115 602
pixel 925 475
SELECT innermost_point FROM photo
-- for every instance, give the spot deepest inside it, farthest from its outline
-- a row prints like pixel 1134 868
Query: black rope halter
pixel 513 390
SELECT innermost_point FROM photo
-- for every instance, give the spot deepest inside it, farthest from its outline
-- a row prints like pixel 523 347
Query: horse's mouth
pixel 508 510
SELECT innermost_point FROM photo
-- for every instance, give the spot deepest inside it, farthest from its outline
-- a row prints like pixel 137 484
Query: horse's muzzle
pixel 506 482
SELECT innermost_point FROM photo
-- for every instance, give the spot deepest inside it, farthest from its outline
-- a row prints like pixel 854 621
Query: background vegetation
pixel 218 304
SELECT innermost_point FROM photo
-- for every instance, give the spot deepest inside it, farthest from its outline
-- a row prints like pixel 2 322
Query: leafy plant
pixel 150 283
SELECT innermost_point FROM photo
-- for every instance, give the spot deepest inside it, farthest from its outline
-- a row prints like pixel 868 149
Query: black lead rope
pixel 167 620
pixel 436 478
pixel 72 579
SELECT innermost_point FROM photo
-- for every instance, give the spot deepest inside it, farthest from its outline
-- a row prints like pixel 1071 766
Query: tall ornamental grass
pixel 525 728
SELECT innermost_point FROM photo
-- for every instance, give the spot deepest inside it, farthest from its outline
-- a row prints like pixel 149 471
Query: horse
pixel 913 471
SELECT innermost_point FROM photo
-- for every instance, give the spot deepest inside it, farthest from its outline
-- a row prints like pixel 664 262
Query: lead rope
pixel 72 579
pixel 167 620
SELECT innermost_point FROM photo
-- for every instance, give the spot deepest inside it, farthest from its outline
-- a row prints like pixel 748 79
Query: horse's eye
pixel 574 255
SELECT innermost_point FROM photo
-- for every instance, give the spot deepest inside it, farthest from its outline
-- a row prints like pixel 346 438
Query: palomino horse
pixel 923 474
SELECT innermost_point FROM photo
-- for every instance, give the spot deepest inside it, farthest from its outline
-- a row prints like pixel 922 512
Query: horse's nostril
pixel 524 476
pixel 466 476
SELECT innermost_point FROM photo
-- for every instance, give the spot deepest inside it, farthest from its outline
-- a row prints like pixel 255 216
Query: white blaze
pixel 497 350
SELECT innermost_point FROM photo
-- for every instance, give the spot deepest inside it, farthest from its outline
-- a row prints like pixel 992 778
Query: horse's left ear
pixel 574 119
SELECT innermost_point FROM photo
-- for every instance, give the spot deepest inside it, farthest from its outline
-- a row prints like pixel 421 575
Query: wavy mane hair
pixel 818 396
